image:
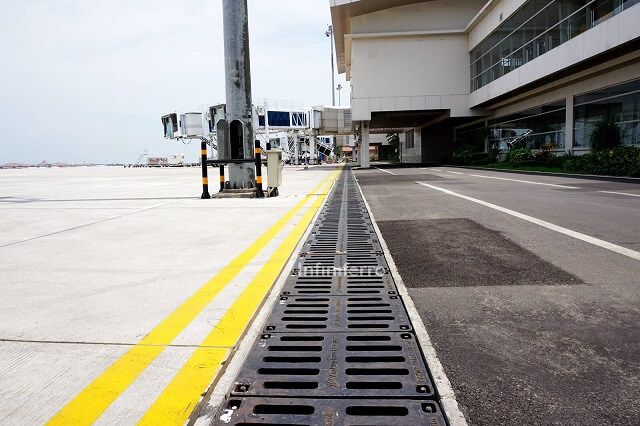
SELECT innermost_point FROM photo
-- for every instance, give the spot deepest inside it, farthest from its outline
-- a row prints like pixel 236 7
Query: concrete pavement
pixel 533 324
pixel 112 278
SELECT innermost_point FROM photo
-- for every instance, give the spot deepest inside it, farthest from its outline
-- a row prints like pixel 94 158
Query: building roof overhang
pixel 343 10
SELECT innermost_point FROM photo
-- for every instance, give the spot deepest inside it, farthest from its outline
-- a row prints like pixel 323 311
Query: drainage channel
pixel 338 347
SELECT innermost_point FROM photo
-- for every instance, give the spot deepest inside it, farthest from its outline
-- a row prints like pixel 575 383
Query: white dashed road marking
pixel 386 171
pixel 526 181
pixel 620 193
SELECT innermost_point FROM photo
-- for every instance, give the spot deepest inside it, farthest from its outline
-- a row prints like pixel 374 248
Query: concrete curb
pixel 447 397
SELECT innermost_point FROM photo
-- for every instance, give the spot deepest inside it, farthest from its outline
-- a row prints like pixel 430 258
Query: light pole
pixel 338 89
pixel 329 33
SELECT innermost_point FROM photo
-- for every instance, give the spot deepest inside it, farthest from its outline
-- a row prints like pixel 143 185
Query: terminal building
pixel 444 73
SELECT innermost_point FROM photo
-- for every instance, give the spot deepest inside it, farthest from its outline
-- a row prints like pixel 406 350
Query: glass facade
pixel 543 125
pixel 473 136
pixel 620 103
pixel 537 27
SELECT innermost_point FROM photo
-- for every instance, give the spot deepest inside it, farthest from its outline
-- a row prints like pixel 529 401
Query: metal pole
pixel 205 180
pixel 259 192
pixel 221 177
pixel 238 85
pixel 329 34
pixel 333 82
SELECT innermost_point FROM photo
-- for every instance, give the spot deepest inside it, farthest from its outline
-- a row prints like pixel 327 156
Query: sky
pixel 87 81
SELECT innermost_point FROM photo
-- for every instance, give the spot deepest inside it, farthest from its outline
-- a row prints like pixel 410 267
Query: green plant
pixel 605 134
pixel 394 158
pixel 519 155
pixel 462 155
pixel 618 161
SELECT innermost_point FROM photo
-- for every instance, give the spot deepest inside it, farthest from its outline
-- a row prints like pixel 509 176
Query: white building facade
pixel 448 72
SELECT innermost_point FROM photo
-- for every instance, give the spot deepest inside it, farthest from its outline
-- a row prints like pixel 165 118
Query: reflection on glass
pixel 536 28
pixel 620 103
pixel 533 128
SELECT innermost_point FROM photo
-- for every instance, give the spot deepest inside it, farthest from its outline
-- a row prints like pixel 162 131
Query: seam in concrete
pixel 89 224
pixel 207 408
pixel 443 385
pixel 69 342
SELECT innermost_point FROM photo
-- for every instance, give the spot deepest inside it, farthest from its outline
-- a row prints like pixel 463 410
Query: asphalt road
pixel 528 286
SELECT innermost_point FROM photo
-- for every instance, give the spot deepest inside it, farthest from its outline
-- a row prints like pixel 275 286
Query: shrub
pixel 619 161
pixel 606 134
pixel 462 155
pixel 520 155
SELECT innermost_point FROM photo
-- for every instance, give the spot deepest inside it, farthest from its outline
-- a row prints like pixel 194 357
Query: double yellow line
pixel 178 399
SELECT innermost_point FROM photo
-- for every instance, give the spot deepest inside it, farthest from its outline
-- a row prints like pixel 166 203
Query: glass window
pixel 620 103
pixel 409 141
pixel 534 127
pixel 536 28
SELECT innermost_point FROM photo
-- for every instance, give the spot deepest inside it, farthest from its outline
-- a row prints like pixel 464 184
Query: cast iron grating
pixel 338 347
pixel 364 311
pixel 346 365
pixel 340 285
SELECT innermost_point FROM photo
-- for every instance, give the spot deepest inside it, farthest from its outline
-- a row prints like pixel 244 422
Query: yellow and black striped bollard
pixel 221 177
pixel 205 180
pixel 259 192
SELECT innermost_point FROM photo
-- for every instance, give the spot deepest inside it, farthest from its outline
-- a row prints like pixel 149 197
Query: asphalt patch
pixel 462 253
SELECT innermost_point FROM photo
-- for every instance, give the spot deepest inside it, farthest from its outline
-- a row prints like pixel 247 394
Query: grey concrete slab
pixel 92 259
pixel 523 352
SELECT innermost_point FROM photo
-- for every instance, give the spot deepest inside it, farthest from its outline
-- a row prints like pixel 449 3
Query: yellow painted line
pixel 180 397
pixel 91 402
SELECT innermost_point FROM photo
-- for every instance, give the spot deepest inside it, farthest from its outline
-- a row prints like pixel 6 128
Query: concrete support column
pixel 568 125
pixel 364 145
pixel 296 152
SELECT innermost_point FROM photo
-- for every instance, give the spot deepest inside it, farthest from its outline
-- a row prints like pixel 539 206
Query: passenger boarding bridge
pixel 305 135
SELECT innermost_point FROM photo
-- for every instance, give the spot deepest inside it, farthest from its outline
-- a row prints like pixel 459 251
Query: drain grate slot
pixel 303 411
pixel 341 283
pixel 335 314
